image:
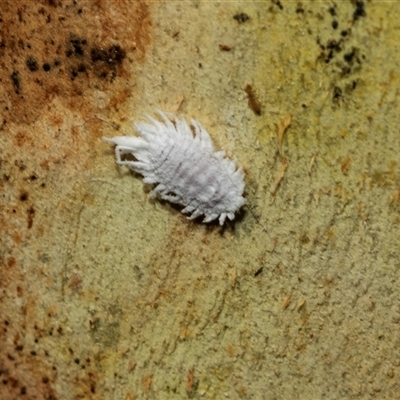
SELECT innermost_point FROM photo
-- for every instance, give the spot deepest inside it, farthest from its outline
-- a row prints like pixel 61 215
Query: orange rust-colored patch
pixel 11 262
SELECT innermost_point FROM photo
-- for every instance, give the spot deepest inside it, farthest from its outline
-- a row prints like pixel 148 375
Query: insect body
pixel 184 166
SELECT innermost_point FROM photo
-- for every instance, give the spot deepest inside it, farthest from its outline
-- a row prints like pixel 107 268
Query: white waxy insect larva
pixel 184 166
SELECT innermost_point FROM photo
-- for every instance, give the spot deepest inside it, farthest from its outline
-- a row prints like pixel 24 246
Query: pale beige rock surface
pixel 106 294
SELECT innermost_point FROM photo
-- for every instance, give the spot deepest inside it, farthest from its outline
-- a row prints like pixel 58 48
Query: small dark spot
pixel 19 347
pixel 93 388
pixel 80 11
pixel 46 67
pixel 74 73
pixel 57 63
pixel 337 93
pixel 31 213
pixel 77 361
pixel 6 322
pixel 23 390
pixel 45 379
pixel 348 57
pixel 77 45
pixel 23 196
pixel 241 17
pixel 344 33
pixel 335 24
pixel 253 102
pixel 332 11
pixel 16 80
pixel 258 272
pixel 299 9
pixel 33 177
pixel 33 353
pixel 81 68
pixel 359 11
pixel 225 47
pixel 32 64
pixel 200 65
pixel 103 75
pixel 278 4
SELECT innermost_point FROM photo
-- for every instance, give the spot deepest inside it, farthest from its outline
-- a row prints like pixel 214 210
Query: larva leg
pixel 120 150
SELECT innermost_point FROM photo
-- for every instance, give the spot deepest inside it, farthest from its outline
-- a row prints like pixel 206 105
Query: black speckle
pixel 258 272
pixel 344 33
pixel 77 45
pixel 241 17
pixel 23 390
pixel 348 57
pixel 46 67
pixel 77 361
pixel 23 196
pixel 16 80
pixel 359 11
pixel 278 4
pixel 332 11
pixel 32 64
pixel 335 24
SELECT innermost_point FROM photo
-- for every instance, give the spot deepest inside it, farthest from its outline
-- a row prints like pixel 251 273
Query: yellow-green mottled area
pixel 108 294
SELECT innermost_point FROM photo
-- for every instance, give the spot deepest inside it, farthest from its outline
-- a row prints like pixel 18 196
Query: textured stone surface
pixel 106 294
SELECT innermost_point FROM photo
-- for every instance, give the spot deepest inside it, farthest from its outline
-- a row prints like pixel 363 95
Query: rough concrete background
pixel 106 294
